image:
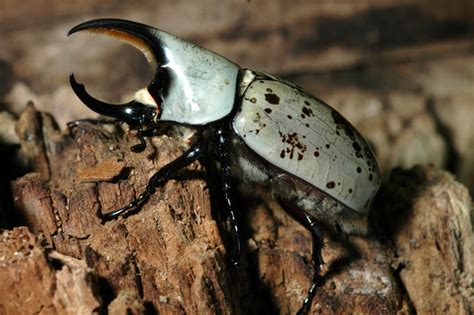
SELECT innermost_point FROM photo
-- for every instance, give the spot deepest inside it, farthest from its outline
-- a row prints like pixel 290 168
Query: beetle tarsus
pixel 309 297
pixel 140 147
pixel 317 236
pixel 235 260
pixel 318 242
pixel 134 204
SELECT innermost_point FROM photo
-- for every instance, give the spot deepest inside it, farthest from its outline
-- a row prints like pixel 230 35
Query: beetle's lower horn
pixel 111 110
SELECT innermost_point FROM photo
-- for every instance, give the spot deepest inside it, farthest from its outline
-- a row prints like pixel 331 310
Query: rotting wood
pixel 172 252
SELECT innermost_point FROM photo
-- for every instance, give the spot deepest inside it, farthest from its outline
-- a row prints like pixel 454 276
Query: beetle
pixel 257 127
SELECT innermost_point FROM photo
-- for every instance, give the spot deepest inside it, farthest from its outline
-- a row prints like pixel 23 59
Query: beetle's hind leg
pixel 196 151
pixel 318 243
pixel 311 224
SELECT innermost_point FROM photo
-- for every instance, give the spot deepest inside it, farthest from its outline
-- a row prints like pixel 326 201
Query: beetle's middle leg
pixel 196 151
pixel 224 152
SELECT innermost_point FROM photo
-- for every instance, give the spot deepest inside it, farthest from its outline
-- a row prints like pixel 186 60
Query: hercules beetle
pixel 257 127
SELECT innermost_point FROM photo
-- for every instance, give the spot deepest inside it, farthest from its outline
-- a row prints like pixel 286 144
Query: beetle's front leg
pixel 141 134
pixel 197 150
pixel 225 160
pixel 140 147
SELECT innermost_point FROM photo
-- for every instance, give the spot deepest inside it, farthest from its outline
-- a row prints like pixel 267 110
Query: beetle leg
pixel 141 134
pixel 224 155
pixel 142 145
pixel 196 151
pixel 227 190
pixel 318 243
pixel 310 223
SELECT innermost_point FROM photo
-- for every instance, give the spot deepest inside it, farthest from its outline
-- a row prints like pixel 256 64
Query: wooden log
pixel 172 253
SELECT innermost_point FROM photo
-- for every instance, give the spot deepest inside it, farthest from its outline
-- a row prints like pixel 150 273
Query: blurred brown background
pixel 401 71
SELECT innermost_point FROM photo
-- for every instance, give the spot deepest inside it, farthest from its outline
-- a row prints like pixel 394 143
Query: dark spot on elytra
pixel 350 190
pixel 328 146
pixel 307 125
pixel 338 133
pixel 269 90
pixel 316 153
pixel 289 117
pixel 356 146
pixel 358 154
pixel 307 111
pixel 371 177
pixel 282 154
pixel 268 110
pixel 261 81
pixel 331 185
pixel 272 98
pixel 306 102
pixel 349 132
pixel 295 146
pixel 359 170
pixel 342 123
pixel 253 100
pixel 302 116
pixel 338 119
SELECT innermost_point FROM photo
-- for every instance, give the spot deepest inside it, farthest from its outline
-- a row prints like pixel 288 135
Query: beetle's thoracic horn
pixel 136 34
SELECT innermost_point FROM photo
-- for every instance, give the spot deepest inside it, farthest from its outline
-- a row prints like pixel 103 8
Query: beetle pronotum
pixel 257 127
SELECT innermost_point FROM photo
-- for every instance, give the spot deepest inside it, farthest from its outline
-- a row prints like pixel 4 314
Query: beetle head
pixel 191 85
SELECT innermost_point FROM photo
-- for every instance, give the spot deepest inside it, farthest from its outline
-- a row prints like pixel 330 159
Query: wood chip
pixel 104 171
